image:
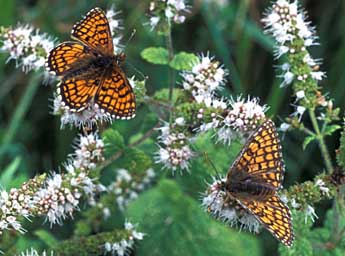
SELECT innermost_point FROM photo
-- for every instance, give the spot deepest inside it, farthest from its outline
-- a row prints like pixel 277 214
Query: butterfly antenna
pixel 217 174
pixel 138 71
pixel 130 38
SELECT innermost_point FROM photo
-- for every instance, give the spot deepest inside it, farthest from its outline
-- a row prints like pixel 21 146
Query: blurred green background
pixel 232 33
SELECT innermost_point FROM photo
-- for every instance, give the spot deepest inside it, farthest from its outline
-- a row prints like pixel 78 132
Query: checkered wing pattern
pixel 261 157
pixel 89 70
pixel 116 95
pixel 94 31
pixel 274 215
pixel 77 93
pixel 65 57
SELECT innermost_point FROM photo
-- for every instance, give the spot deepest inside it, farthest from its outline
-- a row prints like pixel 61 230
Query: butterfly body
pixel 90 71
pixel 255 178
pixel 249 188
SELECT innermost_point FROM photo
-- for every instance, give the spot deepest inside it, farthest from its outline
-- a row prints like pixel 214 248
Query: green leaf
pixel 330 129
pixel 8 174
pixel 135 160
pixel 308 140
pixel 113 140
pixel 46 237
pixel 183 61
pixel 156 55
pixel 175 224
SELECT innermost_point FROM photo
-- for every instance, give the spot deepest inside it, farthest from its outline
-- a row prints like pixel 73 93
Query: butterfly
pixel 90 72
pixel 254 179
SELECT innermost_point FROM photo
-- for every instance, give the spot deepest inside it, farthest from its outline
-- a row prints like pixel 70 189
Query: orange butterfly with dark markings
pixel 90 71
pixel 254 179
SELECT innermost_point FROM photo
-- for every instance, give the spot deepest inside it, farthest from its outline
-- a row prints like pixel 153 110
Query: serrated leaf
pixel 183 61
pixel 8 174
pixel 135 160
pixel 182 228
pixel 332 128
pixel 46 237
pixel 113 140
pixel 156 55
pixel 308 140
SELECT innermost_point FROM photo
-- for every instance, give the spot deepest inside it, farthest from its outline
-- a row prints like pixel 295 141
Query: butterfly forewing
pixel 94 31
pixel 66 57
pixel 261 157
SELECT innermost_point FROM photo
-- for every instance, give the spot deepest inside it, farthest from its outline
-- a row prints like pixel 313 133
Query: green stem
pixel 21 110
pixel 321 141
pixel 171 71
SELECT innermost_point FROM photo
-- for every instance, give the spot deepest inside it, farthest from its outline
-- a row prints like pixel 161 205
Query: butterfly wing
pixel 274 215
pixel 76 93
pixel 94 31
pixel 116 96
pixel 261 157
pixel 66 56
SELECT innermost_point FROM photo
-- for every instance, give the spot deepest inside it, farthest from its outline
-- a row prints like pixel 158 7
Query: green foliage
pixel 90 245
pixel 156 55
pixel 46 237
pixel 176 225
pixel 341 151
pixel 135 160
pixel 307 140
pixel 7 176
pixel 210 153
pixel 113 141
pixel 330 129
pixel 183 61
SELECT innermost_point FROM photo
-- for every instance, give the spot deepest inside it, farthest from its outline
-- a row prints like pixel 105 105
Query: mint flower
pixel 26 45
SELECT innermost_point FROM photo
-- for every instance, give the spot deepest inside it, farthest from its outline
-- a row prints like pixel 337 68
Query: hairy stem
pixel 322 144
pixel 171 71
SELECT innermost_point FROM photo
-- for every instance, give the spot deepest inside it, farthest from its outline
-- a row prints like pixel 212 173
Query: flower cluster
pixel 174 152
pixel 127 187
pixel 243 116
pixel 287 23
pixel 17 203
pixel 115 25
pixel 206 76
pixel 33 252
pixel 60 196
pixel 124 246
pixel 218 204
pixel 88 152
pixel 163 12
pixel 26 45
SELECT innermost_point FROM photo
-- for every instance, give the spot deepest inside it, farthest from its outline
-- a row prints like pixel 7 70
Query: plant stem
pixel 321 141
pixel 171 71
pixel 20 111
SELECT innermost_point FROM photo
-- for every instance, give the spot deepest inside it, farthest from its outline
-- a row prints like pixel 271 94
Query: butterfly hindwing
pixel 274 215
pixel 94 31
pixel 77 93
pixel 116 95
pixel 261 157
